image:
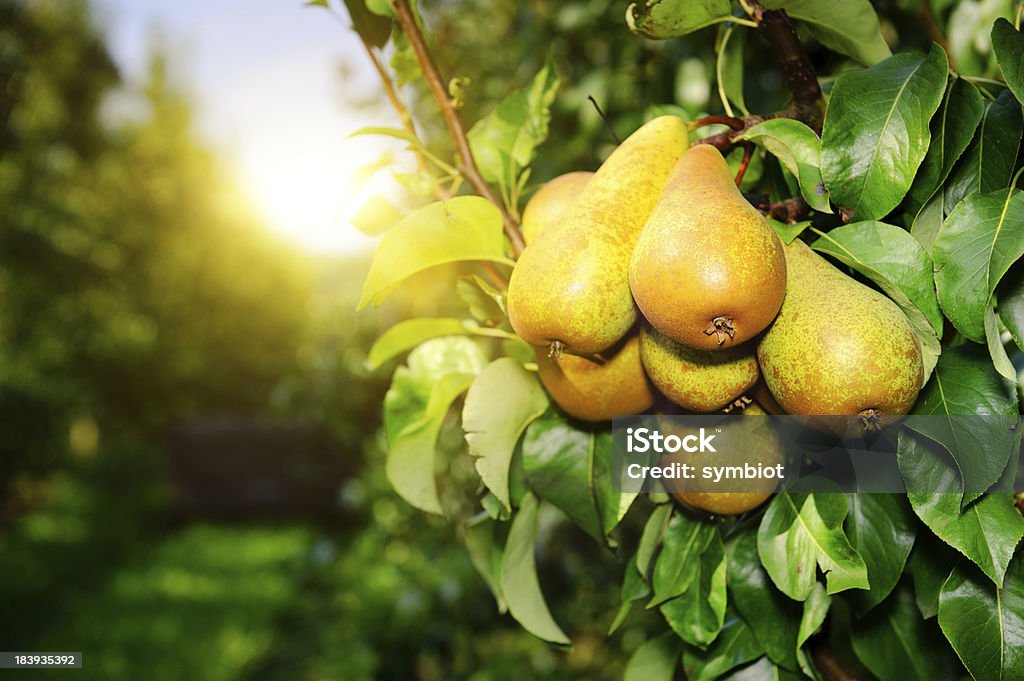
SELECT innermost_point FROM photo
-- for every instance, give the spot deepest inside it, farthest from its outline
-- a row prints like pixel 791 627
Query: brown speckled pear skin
pixel 708 271
pixel 593 391
pixel 838 348
pixel 547 206
pixel 570 285
pixel 737 447
pixel 698 380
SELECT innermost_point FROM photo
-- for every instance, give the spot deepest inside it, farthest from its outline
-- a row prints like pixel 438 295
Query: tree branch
pixel 438 88
pixel 808 102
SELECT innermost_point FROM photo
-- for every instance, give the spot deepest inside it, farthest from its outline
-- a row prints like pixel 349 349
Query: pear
pixel 551 201
pixel 569 289
pixel 737 444
pixel 699 380
pixel 839 348
pixel 708 271
pixel 597 390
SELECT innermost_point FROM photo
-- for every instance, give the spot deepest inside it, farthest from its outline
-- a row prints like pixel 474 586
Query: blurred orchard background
pixel 191 464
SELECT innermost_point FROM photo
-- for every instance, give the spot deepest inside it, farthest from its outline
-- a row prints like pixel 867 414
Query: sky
pixel 264 76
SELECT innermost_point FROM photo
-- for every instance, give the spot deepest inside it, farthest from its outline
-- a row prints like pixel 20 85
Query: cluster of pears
pixel 654 274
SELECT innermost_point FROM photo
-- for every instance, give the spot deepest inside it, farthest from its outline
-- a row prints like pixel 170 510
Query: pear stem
pixel 467 168
pixel 607 123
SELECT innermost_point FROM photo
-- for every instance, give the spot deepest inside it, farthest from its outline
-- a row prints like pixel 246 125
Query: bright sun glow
pixel 310 192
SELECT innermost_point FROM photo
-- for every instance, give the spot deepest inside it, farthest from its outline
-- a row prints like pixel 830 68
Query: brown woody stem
pixel 748 153
pixel 468 167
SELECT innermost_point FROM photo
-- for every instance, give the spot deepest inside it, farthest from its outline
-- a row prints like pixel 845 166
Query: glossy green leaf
pixel 985 624
pixel 996 349
pixel 929 565
pixel 773 618
pixel 980 240
pixel 463 228
pixel 504 141
pixel 661 19
pixel 928 222
pixel 678 564
pixel 656 660
pixel 503 400
pixel 734 646
pixel 519 580
pixel 371 27
pixel 761 670
pixel 965 383
pixel 800 532
pixel 437 372
pixel 952 130
pixel 407 334
pixel 1008 45
pixel 896 644
pixel 815 611
pixel 612 505
pixel 876 131
pixel 799 151
pixel 485 553
pixel 650 540
pixel 882 529
pixel 988 163
pixel 558 458
pixel 987 531
pixel 894 254
pixel 486 303
pixel 789 233
pixel 698 614
pixel 849 27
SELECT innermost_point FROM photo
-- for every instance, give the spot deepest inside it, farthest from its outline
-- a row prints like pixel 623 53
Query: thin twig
pixel 731 121
pixel 607 123
pixel 748 153
pixel 468 168
pixel 935 33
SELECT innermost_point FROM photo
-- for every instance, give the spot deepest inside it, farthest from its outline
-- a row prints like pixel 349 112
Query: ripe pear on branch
pixel 549 205
pixel 569 290
pixel 708 270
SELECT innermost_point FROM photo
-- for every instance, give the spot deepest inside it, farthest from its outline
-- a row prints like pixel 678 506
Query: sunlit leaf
pixel 376 216
pixel 407 334
pixel 1008 45
pixel 661 19
pixel 849 27
pixel 799 151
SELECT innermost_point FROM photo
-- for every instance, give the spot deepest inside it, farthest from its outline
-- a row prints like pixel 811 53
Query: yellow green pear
pixel 547 206
pixel 699 380
pixel 737 444
pixel 569 290
pixel 708 270
pixel 839 348
pixel 597 390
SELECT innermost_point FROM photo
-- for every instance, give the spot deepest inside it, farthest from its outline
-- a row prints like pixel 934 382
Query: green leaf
pixel 876 131
pixel 408 334
pixel 979 241
pixel 892 253
pixel 881 528
pixel 761 670
pixel 485 302
pixel 799 151
pixel 463 228
pixel 865 247
pixel 698 614
pixel 987 531
pixel 661 19
pixel 789 233
pixel 438 371
pixel 985 624
pixel 965 383
pixel 397 133
pixel 849 27
pixel 1010 294
pixel 1008 45
pixel 734 646
pixel 376 216
pixel 928 223
pixel 371 27
pixel 801 531
pixel 612 504
pixel 897 645
pixel 988 163
pixel 650 540
pixel 503 400
pixel 993 338
pixel 815 611
pixel 773 618
pixel 559 460
pixel 929 565
pixel 519 577
pixel 504 142
pixel 729 67
pixel 485 553
pixel 655 660
pixel 952 130
pixel 678 564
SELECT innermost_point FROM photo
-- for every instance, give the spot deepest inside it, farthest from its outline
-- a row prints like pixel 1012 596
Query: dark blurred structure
pixel 240 468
